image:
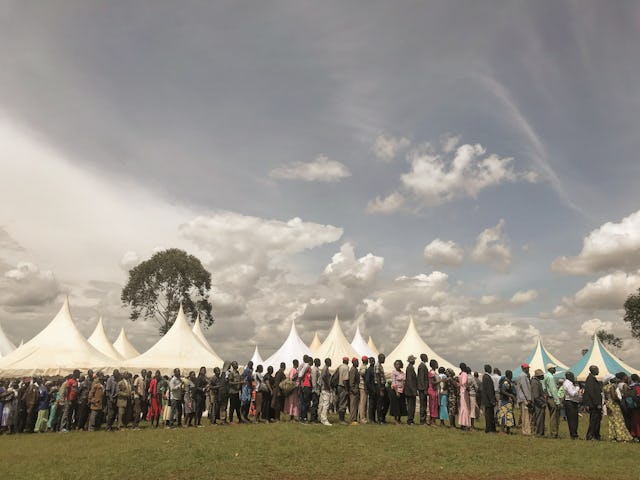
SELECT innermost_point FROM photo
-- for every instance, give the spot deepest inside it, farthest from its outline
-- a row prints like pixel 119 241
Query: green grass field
pixel 292 451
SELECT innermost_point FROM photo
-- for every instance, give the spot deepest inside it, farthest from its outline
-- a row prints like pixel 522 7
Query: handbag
pixel 287 386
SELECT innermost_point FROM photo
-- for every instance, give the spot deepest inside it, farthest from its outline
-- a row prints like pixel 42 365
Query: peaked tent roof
pixel 123 346
pixel 179 348
pixel 99 340
pixel 57 350
pixel 360 345
pixel 413 344
pixel 256 358
pixel 6 345
pixel 315 343
pixel 292 348
pixel 335 346
pixel 606 361
pixel 538 359
pixel 372 345
pixel 197 331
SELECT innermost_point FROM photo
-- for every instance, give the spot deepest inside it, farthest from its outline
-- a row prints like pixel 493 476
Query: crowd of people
pixel 359 391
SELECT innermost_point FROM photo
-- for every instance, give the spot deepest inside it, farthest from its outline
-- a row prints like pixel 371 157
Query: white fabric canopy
pixel 315 343
pixel 6 345
pixel 256 358
pixel 413 344
pixel 100 341
pixel 292 348
pixel 57 350
pixel 197 331
pixel 123 346
pixel 336 346
pixel 372 345
pixel 179 348
pixel 361 346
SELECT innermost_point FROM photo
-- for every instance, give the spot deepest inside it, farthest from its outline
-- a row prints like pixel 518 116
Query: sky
pixel 472 165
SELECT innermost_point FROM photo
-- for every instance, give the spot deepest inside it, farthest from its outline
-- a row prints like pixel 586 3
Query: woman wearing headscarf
pixel 396 395
pixel 617 429
pixel 507 388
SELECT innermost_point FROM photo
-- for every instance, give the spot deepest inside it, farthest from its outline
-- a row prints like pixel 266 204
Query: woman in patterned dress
pixel 452 399
pixel 506 418
pixel 617 429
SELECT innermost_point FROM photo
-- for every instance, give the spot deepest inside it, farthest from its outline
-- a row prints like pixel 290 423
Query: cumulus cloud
pixel 435 178
pixel 322 169
pixel 610 246
pixel 523 297
pixel 26 286
pixel 387 147
pixel 590 327
pixel 389 204
pixel 351 271
pixel 492 248
pixel 129 260
pixel 440 253
pixel 449 142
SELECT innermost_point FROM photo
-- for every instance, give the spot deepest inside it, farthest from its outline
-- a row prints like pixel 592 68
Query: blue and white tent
pixel 606 361
pixel 538 359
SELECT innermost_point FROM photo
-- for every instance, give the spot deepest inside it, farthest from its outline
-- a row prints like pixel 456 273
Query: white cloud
pixel 322 169
pixel 611 246
pixel 435 179
pixel 351 271
pixel 387 147
pixel 389 204
pixel 129 260
pixel 492 248
pixel 524 297
pixel 449 142
pixel 440 253
pixel 590 327
pixel 26 285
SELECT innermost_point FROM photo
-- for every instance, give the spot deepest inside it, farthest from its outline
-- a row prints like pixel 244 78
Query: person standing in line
pixel 539 403
pixel 572 400
pixel 155 400
pixel 124 394
pixel 315 390
pixel 267 392
pixel 304 374
pixel 235 384
pixel 70 402
pixel 464 405
pixel 246 391
pixel 422 384
pixel 84 385
pixel 189 401
pixel 112 397
pixel 553 399
pixel 473 396
pixel 617 431
pixel 291 401
pixel 95 398
pixel 372 390
pixel 592 400
pixel 43 406
pixel 343 390
pixel 139 394
pixel 176 394
pixel 508 398
pixel 260 386
pixel 277 399
pixel 199 394
pixel 523 396
pixel 397 398
pixel 433 393
pixel 354 390
pixel 31 397
pixel 488 400
pixel 362 404
pixel 325 392
pixel 411 389
pixel 381 387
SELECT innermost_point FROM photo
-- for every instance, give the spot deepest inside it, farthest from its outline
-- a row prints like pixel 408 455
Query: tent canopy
pixel 361 346
pixel 197 331
pixel 123 346
pixel 538 359
pixel 6 345
pixel 100 341
pixel 292 348
pixel 315 343
pixel 256 358
pixel 600 356
pixel 372 345
pixel 335 346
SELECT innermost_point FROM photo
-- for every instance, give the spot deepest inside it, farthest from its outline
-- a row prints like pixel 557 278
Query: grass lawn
pixel 291 451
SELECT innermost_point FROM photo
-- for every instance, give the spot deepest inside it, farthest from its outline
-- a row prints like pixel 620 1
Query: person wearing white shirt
pixel 572 400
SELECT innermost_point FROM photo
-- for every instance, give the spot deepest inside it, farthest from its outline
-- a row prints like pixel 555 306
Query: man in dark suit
pixel 410 389
pixel 592 399
pixel 423 385
pixel 488 400
pixel 372 392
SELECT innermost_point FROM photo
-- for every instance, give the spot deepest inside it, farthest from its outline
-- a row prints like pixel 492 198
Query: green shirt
pixel 550 387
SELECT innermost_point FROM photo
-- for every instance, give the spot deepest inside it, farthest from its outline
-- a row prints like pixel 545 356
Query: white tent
pixel 292 348
pixel 256 358
pixel 99 340
pixel 336 346
pixel 57 350
pixel 6 345
pixel 361 346
pixel 123 346
pixel 372 345
pixel 179 348
pixel 412 344
pixel 197 331
pixel 315 343
pixel 600 356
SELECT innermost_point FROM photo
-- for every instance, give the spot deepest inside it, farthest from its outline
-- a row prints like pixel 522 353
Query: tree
pixel 609 338
pixel 632 313
pixel 156 288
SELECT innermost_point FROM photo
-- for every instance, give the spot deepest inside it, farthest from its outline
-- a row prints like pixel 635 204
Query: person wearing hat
pixel 343 389
pixel 538 398
pixel 592 400
pixel 553 399
pixel 410 389
pixel 523 396
pixel 362 404
pixel 354 390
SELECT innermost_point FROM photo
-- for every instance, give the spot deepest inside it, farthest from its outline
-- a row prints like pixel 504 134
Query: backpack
pixel 335 379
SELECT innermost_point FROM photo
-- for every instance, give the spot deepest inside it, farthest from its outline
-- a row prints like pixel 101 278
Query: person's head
pixel 234 365
pixel 226 365
pixel 594 370
pixel 570 376
pixel 463 367
pixel 250 365
pixel 327 362
pixel 433 364
pixel 192 375
pixel 355 362
pixel 551 368
pixel 259 369
pixel 450 373
pixel 316 362
pixel 143 373
pixel 539 374
pixel 441 370
pixel 116 374
pixel 508 374
pixel 296 364
pixel 372 361
pixel 309 360
pixel 381 358
pixel 76 374
pixel 270 370
pixel 398 365
pixel 525 367
pixel 345 360
pixel 476 375
pixel 216 371
pixel 635 378
pixel 282 366
pixel 468 370
pixel 487 368
pixel 424 358
pixel 202 371
pixel 176 372
pixel 90 374
pixel 82 378
pixel 411 359
pixel 496 371
pixel 622 377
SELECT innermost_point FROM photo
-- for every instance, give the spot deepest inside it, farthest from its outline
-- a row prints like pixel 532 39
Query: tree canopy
pixel 156 288
pixel 609 338
pixel 632 313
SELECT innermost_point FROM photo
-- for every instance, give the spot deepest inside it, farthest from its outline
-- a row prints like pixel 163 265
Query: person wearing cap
pixel 523 395
pixel 343 390
pixel 553 399
pixel 539 403
pixel 410 389
pixel 592 400
pixel 354 390
pixel 422 384
pixel 362 404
